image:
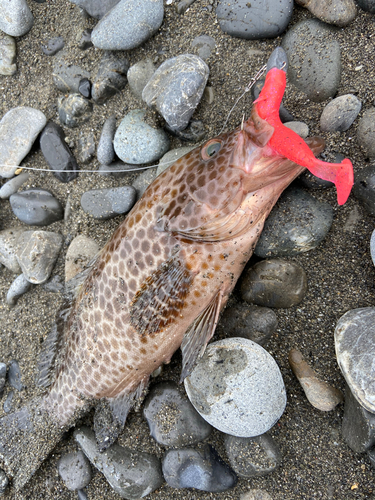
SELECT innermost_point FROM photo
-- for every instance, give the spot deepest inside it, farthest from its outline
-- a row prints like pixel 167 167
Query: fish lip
pixel 278 59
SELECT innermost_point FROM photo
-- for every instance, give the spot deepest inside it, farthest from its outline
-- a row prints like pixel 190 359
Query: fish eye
pixel 211 149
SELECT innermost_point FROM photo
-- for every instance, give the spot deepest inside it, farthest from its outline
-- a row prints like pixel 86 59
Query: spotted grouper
pixel 162 280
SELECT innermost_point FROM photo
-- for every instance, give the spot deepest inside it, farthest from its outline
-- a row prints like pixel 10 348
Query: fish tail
pixel 27 436
pixel 341 174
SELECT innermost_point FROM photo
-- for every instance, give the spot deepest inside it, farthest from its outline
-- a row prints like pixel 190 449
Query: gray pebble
pixel 14 375
pixel 128 24
pixel 80 252
pixel 204 45
pixel 194 132
pixel 252 457
pixel 183 6
pixel 237 387
pixel 136 142
pixel 36 207
pixel 364 188
pixel 74 110
pixel 255 495
pixel 19 287
pixel 84 88
pixel 176 88
pixel 16 18
pixel 53 46
pixel 110 77
pixel 19 128
pixel 367 5
pixel 96 8
pixel 8 248
pixel 366 132
pixel 337 12
pixel 3 373
pixel 82 495
pixel 170 157
pixel 85 40
pixel 66 77
pixel 297 224
pixel 8 65
pixel 314 59
pixel 143 180
pixel 13 185
pixel 138 75
pixel 86 147
pixel 54 285
pixel 74 470
pixel 108 203
pixel 7 406
pixel 299 128
pixel 132 474
pixel 340 113
pixel 274 283
pixel 105 152
pixel 4 481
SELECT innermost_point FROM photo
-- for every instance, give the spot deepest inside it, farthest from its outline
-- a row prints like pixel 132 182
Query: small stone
pixel 171 157
pixel 143 180
pixel 108 203
pixel 372 247
pixel 364 188
pixel 237 387
pixel 57 153
pixel 252 457
pixel 74 110
pixel 340 113
pixel 366 132
pixel 136 142
pixel 110 77
pixel 138 75
pixel 13 185
pixel 3 372
pixel 74 470
pixel 96 8
pixel 194 132
pixel 19 287
pixel 200 469
pixel 82 495
pixel 371 456
pixel 4 481
pixel 8 65
pixel 86 147
pixel 183 6
pixel 16 18
pixel 105 152
pixel 65 76
pixel 321 395
pixel 85 40
pixel 36 207
pixel 204 45
pixel 84 87
pixel 8 248
pixel 132 474
pixel 337 12
pixel 18 130
pixel 7 406
pixel 176 88
pixel 53 46
pixel 14 375
pixel 274 283
pixel 367 5
pixel 299 128
pixel 172 419
pixel 54 285
pixel 80 252
pixel 255 495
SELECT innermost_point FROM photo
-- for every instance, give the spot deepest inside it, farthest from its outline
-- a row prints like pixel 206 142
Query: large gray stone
pixel 16 18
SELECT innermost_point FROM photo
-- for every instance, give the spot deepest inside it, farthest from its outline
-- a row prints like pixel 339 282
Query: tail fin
pixel 26 439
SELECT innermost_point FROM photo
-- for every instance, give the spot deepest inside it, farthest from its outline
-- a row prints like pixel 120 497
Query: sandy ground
pixel 316 461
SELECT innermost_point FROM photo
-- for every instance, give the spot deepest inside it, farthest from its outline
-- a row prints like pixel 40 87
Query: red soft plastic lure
pixel 287 143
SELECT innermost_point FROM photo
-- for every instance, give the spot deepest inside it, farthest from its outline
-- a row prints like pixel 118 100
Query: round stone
pixel 237 387
pixel 340 113
pixel 366 132
pixel 74 470
pixel 36 207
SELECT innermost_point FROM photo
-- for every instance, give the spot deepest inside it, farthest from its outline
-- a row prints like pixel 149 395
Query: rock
pixel 194 132
pixel 74 110
pixel 321 395
pixel 252 457
pixel 297 224
pixel 66 77
pixel 172 156
pixel 84 88
pixel 128 25
pixel 117 169
pixel 250 322
pixel 366 132
pixel 132 474
pixel 315 42
pixel 80 252
pixel 96 8
pixel 254 20
pixel 337 12
pixel 85 40
pixel 37 254
pixel 372 247
pixel 14 375
pixel 274 283
pixel 16 18
pixel 136 142
pixel 204 45
pixel 176 88
pixel 19 287
pixel 74 470
pixel 13 185
pixel 81 494
pixel 54 285
pixel 8 65
pixel 7 406
pixel 255 495
pixel 4 481
pixel 53 46
pixel 110 77
pixel 237 387
pixel 8 248
pixel 358 425
pixel 183 6
pixel 105 152
pixel 3 373
pixel 364 188
pixel 299 128
pixel 340 113
pixel 108 203
pixel 355 351
pixel 367 5
pixel 172 419
pixel 86 147
pixel 138 75
pixel 57 153
pixel 19 128
pixel 143 180
pixel 200 469
pixel 36 207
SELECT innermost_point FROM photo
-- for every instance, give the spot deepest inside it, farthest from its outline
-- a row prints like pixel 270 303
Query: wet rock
pixel 80 252
pixel 8 248
pixel 16 18
pixel 176 88
pixel 204 45
pixel 250 322
pixel 136 142
pixel 110 77
pixel 105 152
pixel 8 65
pixel 237 387
pixel 128 25
pixel 19 287
pixel 74 470
pixel 65 76
pixel 366 132
pixel 36 207
pixel 85 40
pixel 299 128
pixel 274 283
pixel 13 185
pixel 14 375
pixel 143 180
pixel 172 419
pixel 171 156
pixel 74 110
pixel 53 46
pixel 337 12
pixel 57 153
pixel 254 20
pixel 355 351
pixel 86 147
pixel 108 203
pixel 255 495
pixel 4 481
pixel 367 5
pixel 200 469
pixel 96 8
pixel 321 395
pixel 340 113
pixel 138 75
pixel 298 223
pixel 364 188
pixel 315 42
pixel 84 88
pixel 3 373
pixel 19 128
pixel 132 474
pixel 252 457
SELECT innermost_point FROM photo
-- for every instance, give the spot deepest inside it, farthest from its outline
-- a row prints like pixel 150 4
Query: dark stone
pixel 364 188
pixel 367 5
pixel 74 110
pixel 107 203
pixel 84 87
pixel 65 76
pixel 85 41
pixel 36 207
pixel 53 46
pixel 14 375
pixel 3 372
pixel 86 147
pixel 110 77
pixel 194 132
pixel 106 152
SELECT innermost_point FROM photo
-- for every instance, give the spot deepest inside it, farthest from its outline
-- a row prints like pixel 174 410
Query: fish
pixel 163 278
